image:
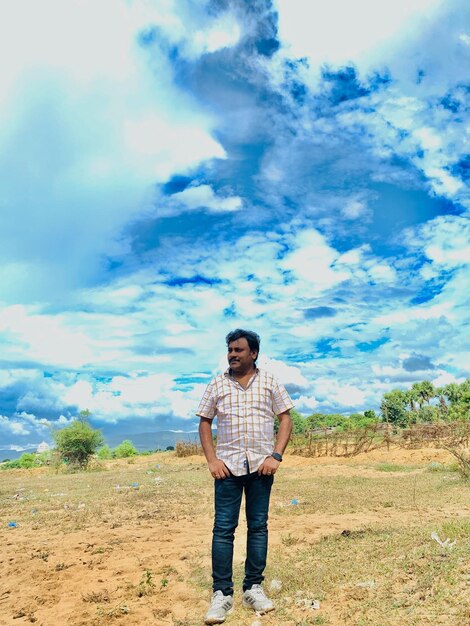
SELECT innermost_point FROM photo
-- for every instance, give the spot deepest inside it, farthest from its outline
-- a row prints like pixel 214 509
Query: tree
pixel 298 421
pixel 452 392
pixel 125 449
pixel 324 420
pixel 424 392
pixel 77 442
pixel 393 407
pixel 428 414
pixel 359 420
pixel 443 408
pixel 413 398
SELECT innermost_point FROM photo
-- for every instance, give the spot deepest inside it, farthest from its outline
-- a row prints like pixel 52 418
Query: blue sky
pixel 172 170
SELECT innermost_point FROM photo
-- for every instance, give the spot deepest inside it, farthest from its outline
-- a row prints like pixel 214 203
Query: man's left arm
pixel 270 465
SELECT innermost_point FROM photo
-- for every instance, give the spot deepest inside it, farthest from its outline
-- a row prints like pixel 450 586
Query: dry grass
pixel 131 544
pixel 187 448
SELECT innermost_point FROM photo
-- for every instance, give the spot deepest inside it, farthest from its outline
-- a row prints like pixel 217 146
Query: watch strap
pixel 277 456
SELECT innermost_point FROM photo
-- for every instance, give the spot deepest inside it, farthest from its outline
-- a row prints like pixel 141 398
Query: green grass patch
pixel 394 467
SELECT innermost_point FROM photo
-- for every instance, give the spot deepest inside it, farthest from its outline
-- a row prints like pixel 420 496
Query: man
pixel 245 401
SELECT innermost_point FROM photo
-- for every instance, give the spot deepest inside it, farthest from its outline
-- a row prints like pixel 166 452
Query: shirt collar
pixel 228 373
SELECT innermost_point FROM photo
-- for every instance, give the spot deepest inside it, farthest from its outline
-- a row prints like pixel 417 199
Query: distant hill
pixel 158 440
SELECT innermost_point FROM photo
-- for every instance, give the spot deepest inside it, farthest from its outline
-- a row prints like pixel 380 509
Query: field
pixel 130 544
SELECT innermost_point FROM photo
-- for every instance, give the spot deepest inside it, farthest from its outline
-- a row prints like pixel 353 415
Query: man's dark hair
pixel 251 337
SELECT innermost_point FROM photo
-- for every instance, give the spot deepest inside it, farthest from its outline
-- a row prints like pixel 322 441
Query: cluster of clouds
pixel 181 169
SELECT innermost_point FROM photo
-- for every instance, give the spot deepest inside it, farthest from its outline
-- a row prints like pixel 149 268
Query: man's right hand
pixel 218 469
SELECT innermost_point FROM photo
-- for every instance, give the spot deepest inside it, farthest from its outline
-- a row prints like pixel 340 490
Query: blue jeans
pixel 228 497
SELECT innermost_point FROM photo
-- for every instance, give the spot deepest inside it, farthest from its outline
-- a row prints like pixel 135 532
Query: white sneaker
pixel 220 607
pixel 256 599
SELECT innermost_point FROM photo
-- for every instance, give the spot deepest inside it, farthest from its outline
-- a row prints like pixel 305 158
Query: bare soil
pixel 131 544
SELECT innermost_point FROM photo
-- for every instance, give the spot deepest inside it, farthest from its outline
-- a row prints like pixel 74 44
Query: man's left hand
pixel 268 467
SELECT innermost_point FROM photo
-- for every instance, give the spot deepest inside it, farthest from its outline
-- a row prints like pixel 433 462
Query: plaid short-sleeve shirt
pixel 245 417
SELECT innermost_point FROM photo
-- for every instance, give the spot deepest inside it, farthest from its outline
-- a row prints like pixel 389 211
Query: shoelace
pixel 218 600
pixel 259 593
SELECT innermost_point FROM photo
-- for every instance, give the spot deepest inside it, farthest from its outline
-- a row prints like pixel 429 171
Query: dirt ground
pixel 127 563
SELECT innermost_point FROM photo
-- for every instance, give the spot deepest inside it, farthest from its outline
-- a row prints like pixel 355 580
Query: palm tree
pixel 424 392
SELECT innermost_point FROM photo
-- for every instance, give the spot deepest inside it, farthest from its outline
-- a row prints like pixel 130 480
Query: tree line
pixel 422 403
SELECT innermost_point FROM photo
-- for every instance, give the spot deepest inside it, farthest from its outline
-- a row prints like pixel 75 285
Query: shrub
pixel 28 460
pixel 104 453
pixel 44 458
pixel 125 449
pixel 78 442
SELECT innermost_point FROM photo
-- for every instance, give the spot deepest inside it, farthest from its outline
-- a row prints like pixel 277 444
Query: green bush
pixel 28 460
pixel 77 443
pixel 105 453
pixel 125 449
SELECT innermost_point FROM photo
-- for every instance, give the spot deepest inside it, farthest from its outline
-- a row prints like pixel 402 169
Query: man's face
pixel 240 356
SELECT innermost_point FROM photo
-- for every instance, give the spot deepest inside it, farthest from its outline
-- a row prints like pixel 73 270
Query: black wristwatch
pixel 277 456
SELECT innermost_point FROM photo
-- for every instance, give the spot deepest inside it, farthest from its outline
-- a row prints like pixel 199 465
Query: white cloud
pixel 189 25
pixel 406 315
pixel 203 196
pixel 445 378
pixel 390 34
pixel 311 260
pixel 223 32
pixel 382 272
pixel 339 32
pixel 306 404
pixel 92 129
pixel 444 240
pixel 43 337
pixel 14 426
pixel 354 209
pixel 340 394
pixel 286 374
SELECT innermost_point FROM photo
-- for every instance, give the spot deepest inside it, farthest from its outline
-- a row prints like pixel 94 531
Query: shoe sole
pixel 217 620
pixel 261 612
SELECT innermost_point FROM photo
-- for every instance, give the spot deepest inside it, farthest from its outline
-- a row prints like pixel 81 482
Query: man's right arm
pixel 217 468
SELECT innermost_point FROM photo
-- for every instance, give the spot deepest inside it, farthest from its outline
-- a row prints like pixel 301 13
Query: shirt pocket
pixel 226 405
